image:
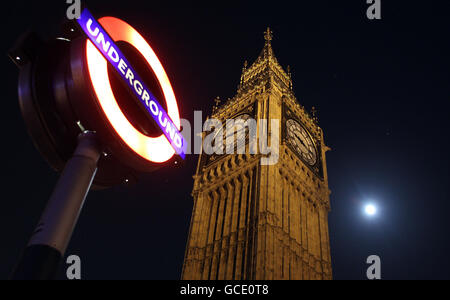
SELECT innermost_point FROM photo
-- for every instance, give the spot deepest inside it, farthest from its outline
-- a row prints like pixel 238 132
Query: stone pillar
pixel 228 211
pixel 242 228
pixel 210 237
pixel 218 234
pixel 234 229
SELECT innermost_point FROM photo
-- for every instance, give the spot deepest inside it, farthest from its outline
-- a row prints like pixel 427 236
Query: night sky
pixel 382 91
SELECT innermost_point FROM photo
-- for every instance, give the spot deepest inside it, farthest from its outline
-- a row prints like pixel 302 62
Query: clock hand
pixel 301 141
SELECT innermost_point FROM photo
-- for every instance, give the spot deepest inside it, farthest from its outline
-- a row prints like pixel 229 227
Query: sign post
pixel 52 235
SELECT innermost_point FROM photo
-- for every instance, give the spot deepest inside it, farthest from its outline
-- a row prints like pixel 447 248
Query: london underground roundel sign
pixel 101 49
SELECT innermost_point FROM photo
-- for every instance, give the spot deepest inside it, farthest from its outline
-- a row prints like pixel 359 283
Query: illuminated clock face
pixel 301 141
pixel 239 131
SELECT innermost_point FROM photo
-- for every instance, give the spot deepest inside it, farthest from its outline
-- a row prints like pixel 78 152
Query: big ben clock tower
pixel 254 221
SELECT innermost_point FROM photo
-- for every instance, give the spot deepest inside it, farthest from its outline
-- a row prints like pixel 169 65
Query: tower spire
pixel 268 36
pixel 244 69
pixel 217 101
pixel 290 77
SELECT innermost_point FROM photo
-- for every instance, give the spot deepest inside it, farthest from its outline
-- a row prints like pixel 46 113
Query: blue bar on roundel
pixel 116 58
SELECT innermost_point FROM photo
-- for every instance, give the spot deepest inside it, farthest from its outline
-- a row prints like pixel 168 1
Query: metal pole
pixel 47 246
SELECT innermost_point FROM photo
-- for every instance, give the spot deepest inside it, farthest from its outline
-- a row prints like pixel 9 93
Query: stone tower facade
pixel 263 222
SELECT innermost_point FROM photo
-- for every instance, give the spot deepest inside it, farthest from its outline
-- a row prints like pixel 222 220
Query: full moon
pixel 370 210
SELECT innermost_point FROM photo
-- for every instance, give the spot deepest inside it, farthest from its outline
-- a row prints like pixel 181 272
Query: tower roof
pixel 266 63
